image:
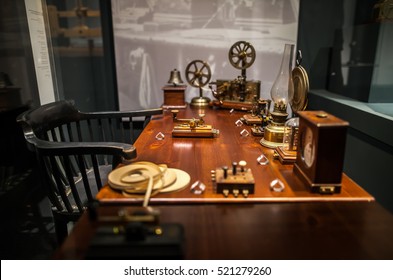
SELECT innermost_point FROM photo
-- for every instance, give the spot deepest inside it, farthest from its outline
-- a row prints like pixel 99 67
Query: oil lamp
pixel 282 94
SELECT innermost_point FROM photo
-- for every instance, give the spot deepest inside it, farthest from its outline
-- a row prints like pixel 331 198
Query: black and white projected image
pixel 154 37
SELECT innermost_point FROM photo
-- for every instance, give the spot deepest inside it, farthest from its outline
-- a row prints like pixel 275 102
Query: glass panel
pixel 78 50
pixel 347 48
pixel 18 84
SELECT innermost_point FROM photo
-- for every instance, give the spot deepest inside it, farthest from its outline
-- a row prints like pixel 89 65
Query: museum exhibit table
pixel 198 156
pixel 291 224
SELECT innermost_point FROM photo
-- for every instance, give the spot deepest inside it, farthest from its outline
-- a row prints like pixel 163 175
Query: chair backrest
pixel 76 150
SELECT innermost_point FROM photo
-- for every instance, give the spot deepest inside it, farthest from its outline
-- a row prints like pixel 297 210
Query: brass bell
pixel 175 78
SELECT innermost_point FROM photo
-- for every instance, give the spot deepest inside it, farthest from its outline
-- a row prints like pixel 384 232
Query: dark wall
pixel 318 22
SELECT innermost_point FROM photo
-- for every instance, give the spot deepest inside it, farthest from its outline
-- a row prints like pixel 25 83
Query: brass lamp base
pixel 274 131
pixel 273 136
pixel 201 101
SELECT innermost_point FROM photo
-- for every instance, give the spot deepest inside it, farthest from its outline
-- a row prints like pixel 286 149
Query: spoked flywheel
pixel 241 55
pixel 198 73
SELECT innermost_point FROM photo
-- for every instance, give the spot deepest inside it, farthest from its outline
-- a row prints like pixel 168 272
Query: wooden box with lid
pixel 321 149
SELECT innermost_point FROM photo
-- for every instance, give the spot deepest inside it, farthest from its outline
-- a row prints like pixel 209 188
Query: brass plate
pixel 301 88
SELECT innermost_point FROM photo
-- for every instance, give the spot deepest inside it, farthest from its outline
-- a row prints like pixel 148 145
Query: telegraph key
pixel 195 127
pixel 236 180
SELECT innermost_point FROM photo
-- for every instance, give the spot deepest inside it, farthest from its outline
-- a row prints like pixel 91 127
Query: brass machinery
pixel 237 180
pixel 198 75
pixel 238 93
pixel 133 233
pixel 195 127
pixel 174 92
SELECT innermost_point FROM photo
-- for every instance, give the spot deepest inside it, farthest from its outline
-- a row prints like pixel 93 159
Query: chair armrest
pixel 127 151
pixel 123 114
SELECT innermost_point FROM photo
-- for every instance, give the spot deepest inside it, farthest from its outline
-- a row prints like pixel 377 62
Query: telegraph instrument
pixel 238 93
pixel 174 91
pixel 258 117
pixel 195 127
pixel 301 85
pixel 320 152
pixel 133 233
pixel 287 152
pixel 237 180
pixel 198 74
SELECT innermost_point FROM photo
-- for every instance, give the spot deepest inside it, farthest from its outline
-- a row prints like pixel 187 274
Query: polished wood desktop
pixel 293 224
pixel 198 156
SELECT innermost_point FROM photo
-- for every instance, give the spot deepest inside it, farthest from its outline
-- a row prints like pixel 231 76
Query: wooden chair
pixel 76 151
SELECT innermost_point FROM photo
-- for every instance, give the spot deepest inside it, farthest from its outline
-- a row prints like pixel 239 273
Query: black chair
pixel 76 151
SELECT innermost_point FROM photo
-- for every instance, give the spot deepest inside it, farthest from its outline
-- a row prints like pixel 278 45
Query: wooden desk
pixel 348 225
pixel 312 230
pixel 198 156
